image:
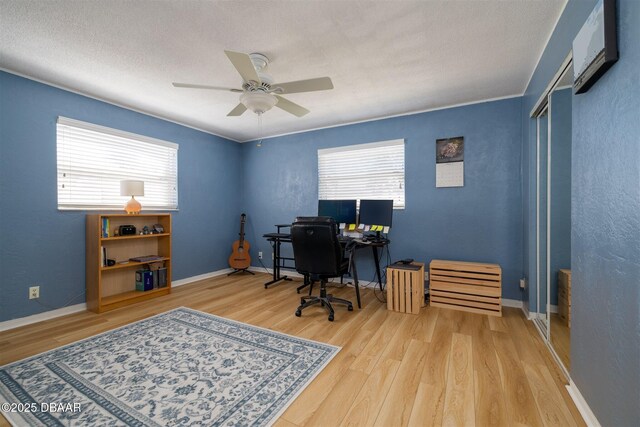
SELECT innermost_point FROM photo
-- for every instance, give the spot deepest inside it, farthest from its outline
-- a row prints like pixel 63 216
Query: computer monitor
pixel 376 212
pixel 342 211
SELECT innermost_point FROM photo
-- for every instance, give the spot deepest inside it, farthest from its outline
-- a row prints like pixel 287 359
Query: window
pixel 363 171
pixel 92 160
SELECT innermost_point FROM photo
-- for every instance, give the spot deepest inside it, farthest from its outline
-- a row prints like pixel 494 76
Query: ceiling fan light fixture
pixel 258 102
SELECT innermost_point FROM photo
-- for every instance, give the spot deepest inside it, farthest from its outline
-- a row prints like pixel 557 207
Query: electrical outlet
pixel 426 276
pixel 523 283
pixel 259 255
pixel 34 292
pixel 271 256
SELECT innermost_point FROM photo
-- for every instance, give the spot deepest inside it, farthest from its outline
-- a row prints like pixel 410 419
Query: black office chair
pixel 319 255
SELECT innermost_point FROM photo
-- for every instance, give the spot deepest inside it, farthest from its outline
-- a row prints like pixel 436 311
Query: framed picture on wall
pixel 595 48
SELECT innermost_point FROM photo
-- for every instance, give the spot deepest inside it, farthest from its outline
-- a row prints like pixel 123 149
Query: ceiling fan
pixel 259 93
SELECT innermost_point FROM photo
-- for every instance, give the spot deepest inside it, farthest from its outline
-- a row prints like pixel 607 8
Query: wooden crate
pixel 405 289
pixel 564 296
pixel 466 286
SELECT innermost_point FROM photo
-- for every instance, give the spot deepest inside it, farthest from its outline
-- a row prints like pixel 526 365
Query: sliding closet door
pixel 560 100
pixel 542 220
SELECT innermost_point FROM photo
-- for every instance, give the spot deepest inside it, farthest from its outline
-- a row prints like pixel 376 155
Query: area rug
pixel 182 367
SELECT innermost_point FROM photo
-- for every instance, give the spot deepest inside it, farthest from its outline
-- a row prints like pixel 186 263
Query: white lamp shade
pixel 131 187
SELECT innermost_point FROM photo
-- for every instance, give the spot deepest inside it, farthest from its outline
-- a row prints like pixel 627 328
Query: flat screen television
pixel 595 47
pixel 342 211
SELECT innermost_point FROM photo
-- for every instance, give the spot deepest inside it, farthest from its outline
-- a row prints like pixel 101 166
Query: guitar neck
pixel 242 220
pixel 241 234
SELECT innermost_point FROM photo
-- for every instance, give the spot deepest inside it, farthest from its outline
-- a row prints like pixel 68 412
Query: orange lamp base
pixel 133 206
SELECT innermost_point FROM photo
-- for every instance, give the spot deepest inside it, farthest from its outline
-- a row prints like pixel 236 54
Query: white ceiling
pixel 385 57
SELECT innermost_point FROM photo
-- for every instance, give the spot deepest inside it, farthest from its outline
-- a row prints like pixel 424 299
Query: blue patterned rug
pixel 182 367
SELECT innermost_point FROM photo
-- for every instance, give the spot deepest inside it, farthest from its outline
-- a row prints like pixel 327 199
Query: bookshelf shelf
pixel 119 300
pixel 113 287
pixel 132 264
pixel 135 236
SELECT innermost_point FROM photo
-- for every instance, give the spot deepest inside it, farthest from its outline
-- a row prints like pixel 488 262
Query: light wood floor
pixel 441 367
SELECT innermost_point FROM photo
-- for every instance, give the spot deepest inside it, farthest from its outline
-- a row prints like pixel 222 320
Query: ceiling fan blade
pixel 243 64
pixel 310 85
pixel 240 108
pixel 192 86
pixel 291 107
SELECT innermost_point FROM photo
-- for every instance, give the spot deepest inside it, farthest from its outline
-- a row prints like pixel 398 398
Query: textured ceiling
pixel 385 57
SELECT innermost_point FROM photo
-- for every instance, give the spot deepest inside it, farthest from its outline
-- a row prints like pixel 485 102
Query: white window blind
pixel 363 171
pixel 92 160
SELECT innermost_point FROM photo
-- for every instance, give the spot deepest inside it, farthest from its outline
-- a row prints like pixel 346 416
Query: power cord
pixel 66 304
pixel 382 295
pixel 266 270
pixel 252 231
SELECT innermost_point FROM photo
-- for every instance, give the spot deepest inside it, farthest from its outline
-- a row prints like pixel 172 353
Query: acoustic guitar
pixel 239 258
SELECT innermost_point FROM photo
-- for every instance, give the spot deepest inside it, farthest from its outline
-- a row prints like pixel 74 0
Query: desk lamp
pixel 132 188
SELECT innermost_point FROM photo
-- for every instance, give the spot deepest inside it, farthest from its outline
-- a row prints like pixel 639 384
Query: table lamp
pixel 132 188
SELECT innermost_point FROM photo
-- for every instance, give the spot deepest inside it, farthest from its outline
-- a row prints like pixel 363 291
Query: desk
pixel 279 262
pixel 374 244
pixel 276 239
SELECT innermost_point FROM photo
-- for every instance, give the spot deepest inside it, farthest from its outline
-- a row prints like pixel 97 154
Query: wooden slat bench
pixel 466 286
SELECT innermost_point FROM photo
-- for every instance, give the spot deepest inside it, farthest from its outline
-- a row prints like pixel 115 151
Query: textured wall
pixel 478 222
pixel 41 245
pixel 605 260
pixel 605 335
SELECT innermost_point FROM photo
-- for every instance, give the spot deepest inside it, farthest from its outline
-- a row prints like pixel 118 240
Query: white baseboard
pixel 292 273
pixel 525 311
pixel 515 303
pixel 366 284
pixel 287 272
pixel 47 315
pixel 586 412
pixel 552 309
pixel 187 280
pixel 52 314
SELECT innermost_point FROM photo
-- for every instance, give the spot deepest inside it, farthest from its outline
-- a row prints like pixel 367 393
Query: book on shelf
pixel 105 227
pixel 103 256
pixel 144 280
pixel 160 278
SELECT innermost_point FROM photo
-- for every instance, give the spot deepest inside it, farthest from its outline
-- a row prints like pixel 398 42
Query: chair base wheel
pixel 324 300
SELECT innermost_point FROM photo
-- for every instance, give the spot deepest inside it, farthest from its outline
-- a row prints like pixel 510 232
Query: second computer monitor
pixel 376 212
pixel 342 211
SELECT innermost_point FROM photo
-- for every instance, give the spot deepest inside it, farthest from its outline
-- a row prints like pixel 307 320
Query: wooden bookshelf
pixel 111 287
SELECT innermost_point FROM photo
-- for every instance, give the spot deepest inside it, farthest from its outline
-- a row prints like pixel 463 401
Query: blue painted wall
pixel 560 197
pixel 481 221
pixel 605 336
pixel 41 245
pixel 605 215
